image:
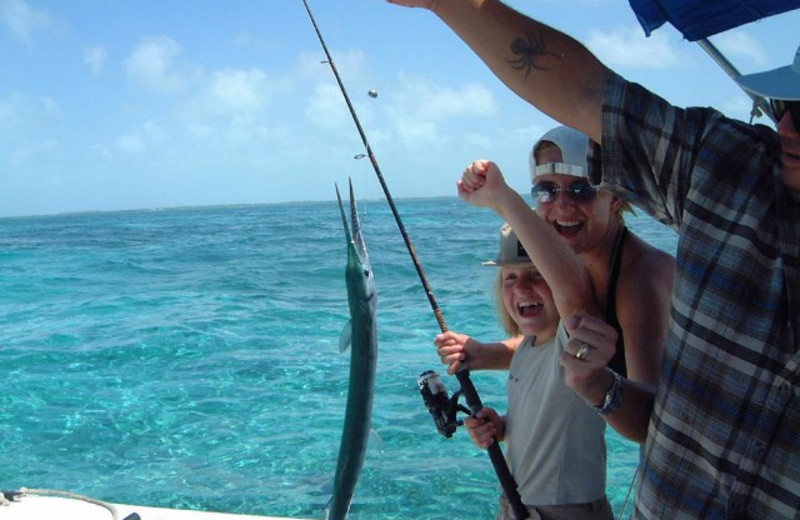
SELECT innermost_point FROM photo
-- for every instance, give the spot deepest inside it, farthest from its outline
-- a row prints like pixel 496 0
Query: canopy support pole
pixel 758 102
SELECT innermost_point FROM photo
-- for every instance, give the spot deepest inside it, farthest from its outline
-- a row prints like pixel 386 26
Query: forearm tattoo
pixel 528 51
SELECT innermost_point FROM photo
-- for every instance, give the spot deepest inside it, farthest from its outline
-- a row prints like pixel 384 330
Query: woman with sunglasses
pixel 632 280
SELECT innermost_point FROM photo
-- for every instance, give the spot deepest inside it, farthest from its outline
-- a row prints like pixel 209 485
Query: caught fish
pixel 360 334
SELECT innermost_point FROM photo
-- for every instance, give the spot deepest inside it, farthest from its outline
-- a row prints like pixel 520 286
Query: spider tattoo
pixel 528 50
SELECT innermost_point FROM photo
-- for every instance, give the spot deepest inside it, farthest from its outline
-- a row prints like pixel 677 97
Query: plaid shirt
pixel 724 438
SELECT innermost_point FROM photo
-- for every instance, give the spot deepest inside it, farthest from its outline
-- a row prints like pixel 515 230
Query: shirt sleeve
pixel 655 155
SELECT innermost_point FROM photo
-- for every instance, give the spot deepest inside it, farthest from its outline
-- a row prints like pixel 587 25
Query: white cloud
pixel 417 106
pixel 326 107
pixel 152 64
pixel 234 107
pixel 23 20
pixel 96 58
pixel 31 151
pixel 414 133
pixel 149 135
pixel 740 43
pixel 239 91
pixel 425 100
pixel 628 46
pixel 20 114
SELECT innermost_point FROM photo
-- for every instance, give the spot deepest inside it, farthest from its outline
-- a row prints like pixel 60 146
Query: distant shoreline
pixel 211 206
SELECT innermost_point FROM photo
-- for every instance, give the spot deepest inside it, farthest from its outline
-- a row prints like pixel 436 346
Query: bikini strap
pixel 617 362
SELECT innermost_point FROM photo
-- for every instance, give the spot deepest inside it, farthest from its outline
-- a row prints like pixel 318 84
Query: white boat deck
pixel 32 507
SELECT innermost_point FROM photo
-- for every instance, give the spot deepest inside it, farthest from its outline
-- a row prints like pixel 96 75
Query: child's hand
pixel 456 350
pixel 482 184
pixel 485 427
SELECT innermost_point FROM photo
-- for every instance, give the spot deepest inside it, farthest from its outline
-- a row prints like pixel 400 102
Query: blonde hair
pixel 509 325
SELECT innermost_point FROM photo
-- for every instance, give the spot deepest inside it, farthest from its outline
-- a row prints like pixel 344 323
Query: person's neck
pixel 538 340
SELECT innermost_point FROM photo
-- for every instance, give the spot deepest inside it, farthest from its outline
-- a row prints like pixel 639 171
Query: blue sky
pixel 126 105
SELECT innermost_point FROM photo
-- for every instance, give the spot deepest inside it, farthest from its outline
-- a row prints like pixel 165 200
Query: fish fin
pixel 346 337
pixel 375 441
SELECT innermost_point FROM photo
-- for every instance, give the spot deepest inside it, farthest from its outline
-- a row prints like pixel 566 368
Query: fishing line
pixel 467 388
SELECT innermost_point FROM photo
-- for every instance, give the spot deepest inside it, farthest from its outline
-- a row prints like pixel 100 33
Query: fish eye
pixel 366 272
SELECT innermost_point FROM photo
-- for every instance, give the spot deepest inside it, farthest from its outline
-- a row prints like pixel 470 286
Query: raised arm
pixel 482 184
pixel 547 68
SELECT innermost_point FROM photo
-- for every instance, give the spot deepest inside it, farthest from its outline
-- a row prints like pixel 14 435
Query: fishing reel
pixel 442 408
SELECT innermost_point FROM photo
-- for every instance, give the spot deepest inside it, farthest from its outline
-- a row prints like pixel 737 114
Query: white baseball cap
pixel 577 152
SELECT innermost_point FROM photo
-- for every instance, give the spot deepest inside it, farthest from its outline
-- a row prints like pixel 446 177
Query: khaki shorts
pixel 597 510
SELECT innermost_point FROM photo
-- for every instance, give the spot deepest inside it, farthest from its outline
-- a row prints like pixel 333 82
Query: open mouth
pixel 568 228
pixel 527 309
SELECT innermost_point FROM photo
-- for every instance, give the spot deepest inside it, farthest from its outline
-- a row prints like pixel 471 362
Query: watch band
pixel 613 395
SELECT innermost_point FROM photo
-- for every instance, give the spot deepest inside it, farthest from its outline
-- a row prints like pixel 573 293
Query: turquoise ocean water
pixel 188 358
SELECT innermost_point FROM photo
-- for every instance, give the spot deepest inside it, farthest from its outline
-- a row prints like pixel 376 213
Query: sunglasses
pixel 780 107
pixel 579 191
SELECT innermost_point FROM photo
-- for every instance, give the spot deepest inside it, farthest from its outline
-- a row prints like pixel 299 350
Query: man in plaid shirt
pixel 724 432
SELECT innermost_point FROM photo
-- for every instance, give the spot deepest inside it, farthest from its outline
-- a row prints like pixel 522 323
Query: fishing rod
pixel 467 388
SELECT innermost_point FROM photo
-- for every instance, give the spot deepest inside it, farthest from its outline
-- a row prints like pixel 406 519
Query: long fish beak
pixel 355 237
pixel 345 224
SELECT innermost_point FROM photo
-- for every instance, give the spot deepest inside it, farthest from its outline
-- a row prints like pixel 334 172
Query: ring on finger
pixel 582 352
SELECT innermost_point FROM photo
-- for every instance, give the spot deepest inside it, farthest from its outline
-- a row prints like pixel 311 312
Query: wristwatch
pixel 613 395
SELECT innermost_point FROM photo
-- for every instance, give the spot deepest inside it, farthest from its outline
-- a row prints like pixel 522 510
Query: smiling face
pixel 528 301
pixel 584 225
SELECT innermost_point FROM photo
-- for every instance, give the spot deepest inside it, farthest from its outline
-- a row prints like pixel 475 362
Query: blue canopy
pixel 698 19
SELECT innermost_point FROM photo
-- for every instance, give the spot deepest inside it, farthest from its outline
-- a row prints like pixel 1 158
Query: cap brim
pixel 494 263
pixel 782 83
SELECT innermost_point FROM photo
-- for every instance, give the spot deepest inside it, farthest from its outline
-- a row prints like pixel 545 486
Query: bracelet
pixel 613 398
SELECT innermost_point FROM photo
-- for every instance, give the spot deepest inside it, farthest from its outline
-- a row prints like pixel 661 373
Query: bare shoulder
pixel 646 265
pixel 643 302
